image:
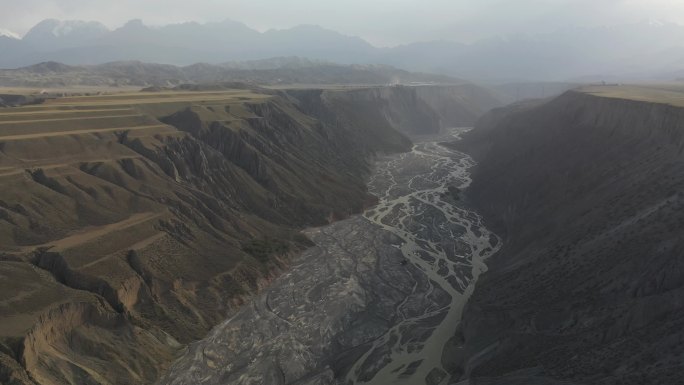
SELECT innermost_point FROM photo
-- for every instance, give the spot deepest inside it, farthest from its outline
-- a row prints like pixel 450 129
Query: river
pixel 377 298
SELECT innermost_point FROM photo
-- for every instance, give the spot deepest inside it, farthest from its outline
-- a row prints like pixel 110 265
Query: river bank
pixel 374 301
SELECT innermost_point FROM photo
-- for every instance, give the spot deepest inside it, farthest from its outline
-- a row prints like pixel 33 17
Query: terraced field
pixel 64 121
pixel 71 184
pixel 672 94
pixel 101 200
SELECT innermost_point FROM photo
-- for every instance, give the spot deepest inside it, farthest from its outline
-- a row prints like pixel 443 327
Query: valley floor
pixel 374 302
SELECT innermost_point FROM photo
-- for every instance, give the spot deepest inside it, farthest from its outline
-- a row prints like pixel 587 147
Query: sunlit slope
pixel 132 223
pixel 149 218
pixel 122 238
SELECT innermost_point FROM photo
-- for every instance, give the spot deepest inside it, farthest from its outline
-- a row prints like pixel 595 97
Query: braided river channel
pixel 375 300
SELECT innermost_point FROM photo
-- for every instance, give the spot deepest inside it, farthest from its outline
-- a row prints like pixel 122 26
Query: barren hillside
pixel 588 191
pixel 132 223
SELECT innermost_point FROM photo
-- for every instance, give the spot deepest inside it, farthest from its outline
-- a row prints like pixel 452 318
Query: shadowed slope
pixel 588 287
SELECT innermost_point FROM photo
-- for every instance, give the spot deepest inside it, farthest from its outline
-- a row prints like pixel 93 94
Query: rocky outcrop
pixel 86 343
pixel 124 244
pixel 587 288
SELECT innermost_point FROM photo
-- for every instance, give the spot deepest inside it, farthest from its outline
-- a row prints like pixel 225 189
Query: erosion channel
pixel 375 300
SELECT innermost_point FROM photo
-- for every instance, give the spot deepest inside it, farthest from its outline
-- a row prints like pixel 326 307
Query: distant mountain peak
pixel 49 66
pixel 232 22
pixel 66 28
pixel 8 33
pixel 638 48
pixel 66 32
pixel 655 22
pixel 310 29
pixel 134 23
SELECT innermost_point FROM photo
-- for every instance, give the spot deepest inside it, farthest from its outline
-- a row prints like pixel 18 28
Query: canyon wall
pixel 132 224
pixel 588 193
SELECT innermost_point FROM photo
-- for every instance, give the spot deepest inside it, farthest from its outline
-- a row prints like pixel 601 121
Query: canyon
pixel 342 235
pixel 572 275
pixel 374 301
pixel 134 222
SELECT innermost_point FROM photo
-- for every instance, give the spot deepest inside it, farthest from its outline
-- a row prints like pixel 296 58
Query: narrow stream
pixel 420 203
pixel 377 298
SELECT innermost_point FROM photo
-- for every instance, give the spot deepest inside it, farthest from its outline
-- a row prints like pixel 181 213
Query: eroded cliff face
pixel 458 106
pixel 588 287
pixel 130 225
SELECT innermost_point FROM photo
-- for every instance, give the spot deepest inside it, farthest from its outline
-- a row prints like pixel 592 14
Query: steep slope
pixel 588 191
pixel 459 106
pixel 130 224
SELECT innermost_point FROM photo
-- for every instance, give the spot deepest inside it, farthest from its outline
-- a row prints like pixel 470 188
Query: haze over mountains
pixel 497 201
pixel 277 71
pixel 649 50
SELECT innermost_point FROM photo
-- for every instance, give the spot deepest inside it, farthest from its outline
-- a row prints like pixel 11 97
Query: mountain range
pixel 281 71
pixel 646 50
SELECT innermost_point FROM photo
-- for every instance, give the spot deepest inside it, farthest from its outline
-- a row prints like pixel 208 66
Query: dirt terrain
pixel 666 93
pixel 132 223
pixel 374 301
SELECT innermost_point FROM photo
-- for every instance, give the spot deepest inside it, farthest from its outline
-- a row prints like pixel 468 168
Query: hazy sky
pixel 382 22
